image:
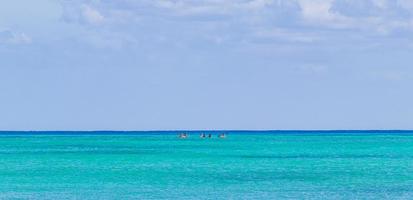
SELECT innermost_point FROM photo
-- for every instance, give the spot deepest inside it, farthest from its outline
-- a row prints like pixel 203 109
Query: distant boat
pixel 222 135
pixel 183 135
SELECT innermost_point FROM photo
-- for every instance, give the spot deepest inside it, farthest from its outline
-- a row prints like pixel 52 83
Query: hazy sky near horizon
pixel 206 64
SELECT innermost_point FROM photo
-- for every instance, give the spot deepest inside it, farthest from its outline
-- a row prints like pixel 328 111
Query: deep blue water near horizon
pixel 245 165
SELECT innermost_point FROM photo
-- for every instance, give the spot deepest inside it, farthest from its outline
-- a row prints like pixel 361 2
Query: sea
pixel 244 165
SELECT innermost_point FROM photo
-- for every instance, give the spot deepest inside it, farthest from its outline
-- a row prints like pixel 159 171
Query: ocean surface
pixel 245 165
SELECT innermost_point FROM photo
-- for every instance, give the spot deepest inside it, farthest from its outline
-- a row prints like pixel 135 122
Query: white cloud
pixel 83 12
pixel 91 15
pixel 10 37
pixel 370 16
pixel 320 13
pixel 286 35
pixel 318 10
pixel 380 3
pixel 406 4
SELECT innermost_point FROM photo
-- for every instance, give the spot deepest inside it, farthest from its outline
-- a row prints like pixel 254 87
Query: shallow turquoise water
pixel 242 166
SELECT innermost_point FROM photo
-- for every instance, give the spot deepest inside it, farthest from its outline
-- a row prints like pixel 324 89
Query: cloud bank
pixel 372 15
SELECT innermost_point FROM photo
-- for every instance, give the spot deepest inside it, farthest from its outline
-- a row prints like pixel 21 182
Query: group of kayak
pixel 203 135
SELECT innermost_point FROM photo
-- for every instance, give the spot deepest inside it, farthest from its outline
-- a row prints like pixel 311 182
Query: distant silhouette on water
pixel 202 135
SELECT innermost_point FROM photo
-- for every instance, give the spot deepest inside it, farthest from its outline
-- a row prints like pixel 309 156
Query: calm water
pixel 242 166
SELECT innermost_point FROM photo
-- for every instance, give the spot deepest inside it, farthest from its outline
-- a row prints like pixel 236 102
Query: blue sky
pixel 206 64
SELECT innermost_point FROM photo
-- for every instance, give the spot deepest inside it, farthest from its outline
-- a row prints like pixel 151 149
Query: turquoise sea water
pixel 259 165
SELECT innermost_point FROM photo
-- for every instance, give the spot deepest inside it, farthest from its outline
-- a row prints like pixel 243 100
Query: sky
pixel 206 64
